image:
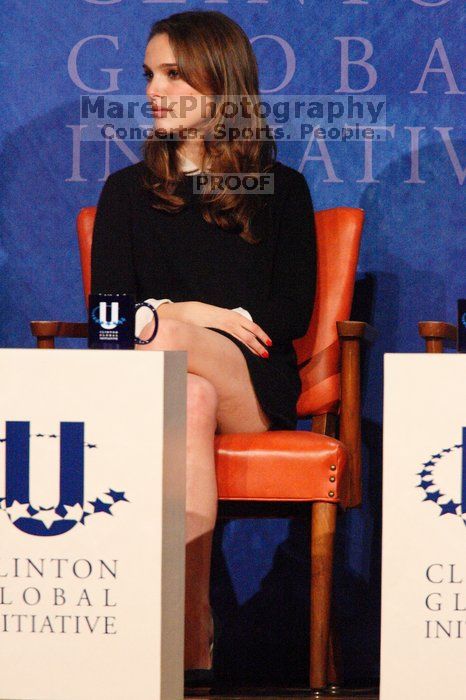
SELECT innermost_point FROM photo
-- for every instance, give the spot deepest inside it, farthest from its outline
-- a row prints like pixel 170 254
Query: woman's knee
pixel 171 335
pixel 202 399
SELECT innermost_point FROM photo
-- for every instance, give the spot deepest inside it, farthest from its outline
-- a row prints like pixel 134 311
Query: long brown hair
pixel 214 56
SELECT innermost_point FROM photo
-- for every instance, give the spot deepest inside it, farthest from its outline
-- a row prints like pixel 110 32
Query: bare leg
pixel 217 401
pixel 201 513
pixel 216 358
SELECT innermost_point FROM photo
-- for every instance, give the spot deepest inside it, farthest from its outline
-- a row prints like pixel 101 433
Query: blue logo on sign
pixel 440 483
pixel 72 508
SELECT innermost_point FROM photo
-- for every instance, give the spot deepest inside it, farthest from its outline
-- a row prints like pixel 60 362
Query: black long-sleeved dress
pixel 151 253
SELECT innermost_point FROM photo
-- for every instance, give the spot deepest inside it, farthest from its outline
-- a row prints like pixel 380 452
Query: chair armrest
pixel 356 329
pixel 47 331
pixel 351 333
pixel 435 333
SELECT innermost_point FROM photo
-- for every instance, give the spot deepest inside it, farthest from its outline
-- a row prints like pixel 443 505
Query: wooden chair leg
pixel 323 524
pixel 434 344
pixel 335 664
pixel 46 343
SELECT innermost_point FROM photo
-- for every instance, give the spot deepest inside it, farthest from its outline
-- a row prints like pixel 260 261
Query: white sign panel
pixel 92 508
pixel 424 528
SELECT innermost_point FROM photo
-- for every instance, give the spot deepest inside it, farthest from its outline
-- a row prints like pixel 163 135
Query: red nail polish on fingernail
pixel 268 342
pixel 265 353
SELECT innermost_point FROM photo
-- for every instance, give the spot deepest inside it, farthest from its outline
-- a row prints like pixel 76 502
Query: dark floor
pixel 282 697
pixel 283 693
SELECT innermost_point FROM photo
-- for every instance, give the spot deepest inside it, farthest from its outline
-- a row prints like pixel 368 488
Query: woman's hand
pixel 201 314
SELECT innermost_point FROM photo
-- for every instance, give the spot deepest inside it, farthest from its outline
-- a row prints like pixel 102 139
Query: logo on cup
pixel 111 322
pixel 99 315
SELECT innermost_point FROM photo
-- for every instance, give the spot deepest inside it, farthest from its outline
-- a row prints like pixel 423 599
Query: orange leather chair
pixel 295 467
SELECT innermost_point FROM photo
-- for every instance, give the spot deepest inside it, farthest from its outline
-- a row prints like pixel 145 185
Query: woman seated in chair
pixel 231 273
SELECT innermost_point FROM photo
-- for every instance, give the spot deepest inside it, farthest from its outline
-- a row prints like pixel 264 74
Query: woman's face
pixel 176 104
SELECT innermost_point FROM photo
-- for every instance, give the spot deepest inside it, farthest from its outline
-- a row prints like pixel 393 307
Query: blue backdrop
pixel 411 266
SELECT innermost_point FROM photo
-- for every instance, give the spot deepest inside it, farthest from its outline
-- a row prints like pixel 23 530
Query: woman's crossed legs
pixel 220 399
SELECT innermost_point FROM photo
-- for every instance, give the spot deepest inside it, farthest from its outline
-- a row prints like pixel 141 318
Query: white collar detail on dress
pixel 187 165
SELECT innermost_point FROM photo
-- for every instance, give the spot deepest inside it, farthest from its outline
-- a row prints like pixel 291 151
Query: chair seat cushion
pixel 280 465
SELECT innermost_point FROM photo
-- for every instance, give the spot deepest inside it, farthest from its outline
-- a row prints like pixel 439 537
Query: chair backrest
pixel 85 229
pixel 338 233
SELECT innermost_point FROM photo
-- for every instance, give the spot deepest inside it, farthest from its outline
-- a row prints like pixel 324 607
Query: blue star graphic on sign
pixel 449 508
pixel 85 514
pixel 101 507
pixel 117 495
pixel 425 484
pixel 452 507
pixel 433 496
